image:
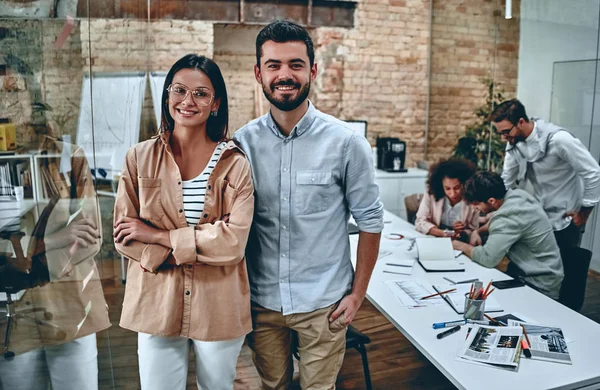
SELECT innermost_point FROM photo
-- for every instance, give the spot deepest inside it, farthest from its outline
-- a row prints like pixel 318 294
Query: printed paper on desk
pixel 437 255
pixel 547 342
pixel 410 292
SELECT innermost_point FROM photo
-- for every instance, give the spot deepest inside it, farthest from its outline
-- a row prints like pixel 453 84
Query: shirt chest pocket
pixel 228 199
pixel 151 208
pixel 313 191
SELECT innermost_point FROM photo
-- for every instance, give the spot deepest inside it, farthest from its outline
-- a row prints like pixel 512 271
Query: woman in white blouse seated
pixel 443 211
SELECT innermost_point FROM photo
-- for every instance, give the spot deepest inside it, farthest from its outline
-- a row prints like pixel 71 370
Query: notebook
pixel 456 299
pixel 437 255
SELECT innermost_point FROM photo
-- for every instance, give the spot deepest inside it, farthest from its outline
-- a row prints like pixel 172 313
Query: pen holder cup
pixel 474 308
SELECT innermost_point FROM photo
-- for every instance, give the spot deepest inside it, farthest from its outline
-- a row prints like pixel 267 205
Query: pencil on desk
pixel 493 320
pixel 488 294
pixel 440 293
pixel 526 337
pixel 486 289
pixel 471 292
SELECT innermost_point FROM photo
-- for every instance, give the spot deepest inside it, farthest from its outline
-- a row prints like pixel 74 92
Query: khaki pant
pixel 321 346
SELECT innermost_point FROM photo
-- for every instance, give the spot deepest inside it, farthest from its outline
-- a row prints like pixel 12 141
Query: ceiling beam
pixel 311 13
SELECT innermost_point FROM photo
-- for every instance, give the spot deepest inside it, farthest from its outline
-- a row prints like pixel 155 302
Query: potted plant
pixel 480 143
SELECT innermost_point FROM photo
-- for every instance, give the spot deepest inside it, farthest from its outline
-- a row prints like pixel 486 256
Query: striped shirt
pixel 194 190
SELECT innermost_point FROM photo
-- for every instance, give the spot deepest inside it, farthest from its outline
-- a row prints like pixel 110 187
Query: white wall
pixel 552 31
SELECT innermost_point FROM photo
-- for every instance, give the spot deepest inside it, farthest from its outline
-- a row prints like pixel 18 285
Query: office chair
pixel 576 263
pixel 412 203
pixel 354 339
pixel 17 274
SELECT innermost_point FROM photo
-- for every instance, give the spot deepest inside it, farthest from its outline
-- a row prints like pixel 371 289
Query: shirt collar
pixel 533 136
pixel 301 127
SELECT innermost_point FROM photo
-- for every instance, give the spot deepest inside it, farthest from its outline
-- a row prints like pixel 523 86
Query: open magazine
pixel 547 343
pixel 496 346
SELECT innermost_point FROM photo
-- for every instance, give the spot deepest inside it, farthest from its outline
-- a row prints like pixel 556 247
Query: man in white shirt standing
pixel 563 174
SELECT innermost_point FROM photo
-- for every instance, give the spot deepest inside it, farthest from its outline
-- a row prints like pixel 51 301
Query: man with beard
pixel 311 172
pixel 564 176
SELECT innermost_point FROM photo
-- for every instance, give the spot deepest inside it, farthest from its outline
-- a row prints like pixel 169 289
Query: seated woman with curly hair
pixel 443 211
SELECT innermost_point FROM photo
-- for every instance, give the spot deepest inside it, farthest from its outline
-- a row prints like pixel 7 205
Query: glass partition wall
pixel 80 81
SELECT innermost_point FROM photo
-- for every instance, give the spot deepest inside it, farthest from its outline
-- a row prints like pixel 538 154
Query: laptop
pixel 437 255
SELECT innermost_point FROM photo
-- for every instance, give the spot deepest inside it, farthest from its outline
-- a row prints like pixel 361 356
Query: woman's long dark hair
pixel 216 126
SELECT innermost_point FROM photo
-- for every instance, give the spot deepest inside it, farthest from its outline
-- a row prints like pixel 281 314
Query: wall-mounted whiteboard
pixel 157 84
pixel 116 100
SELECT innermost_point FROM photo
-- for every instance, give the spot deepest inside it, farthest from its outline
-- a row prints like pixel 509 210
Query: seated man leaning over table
pixel 519 230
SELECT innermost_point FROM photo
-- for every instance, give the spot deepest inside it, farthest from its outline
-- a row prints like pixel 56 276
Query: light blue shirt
pixel 306 187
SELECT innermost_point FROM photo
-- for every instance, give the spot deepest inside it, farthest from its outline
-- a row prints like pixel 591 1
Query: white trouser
pixel 164 362
pixel 73 365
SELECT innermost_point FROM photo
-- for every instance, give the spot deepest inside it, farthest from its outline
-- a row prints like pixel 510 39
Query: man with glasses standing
pixel 563 174
pixel 311 172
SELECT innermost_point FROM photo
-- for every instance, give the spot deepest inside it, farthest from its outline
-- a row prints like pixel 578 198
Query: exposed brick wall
pixel 45 73
pixel 376 71
pixel 241 87
pixel 62 75
pixel 385 70
pixel 464 42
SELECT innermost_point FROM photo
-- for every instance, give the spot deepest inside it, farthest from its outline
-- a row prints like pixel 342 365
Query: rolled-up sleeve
pixel 362 194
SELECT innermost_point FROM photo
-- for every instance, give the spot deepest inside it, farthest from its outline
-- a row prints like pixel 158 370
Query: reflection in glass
pixel 49 276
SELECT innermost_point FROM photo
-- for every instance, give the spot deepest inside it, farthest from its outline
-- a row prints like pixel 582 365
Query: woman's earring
pixel 214 113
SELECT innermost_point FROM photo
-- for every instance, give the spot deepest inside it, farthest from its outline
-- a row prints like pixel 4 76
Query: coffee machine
pixel 391 154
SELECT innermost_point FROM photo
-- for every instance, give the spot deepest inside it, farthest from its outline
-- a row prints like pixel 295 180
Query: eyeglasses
pixel 201 96
pixel 506 132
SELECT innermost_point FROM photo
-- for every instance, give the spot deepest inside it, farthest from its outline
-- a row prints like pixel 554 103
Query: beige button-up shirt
pixel 200 288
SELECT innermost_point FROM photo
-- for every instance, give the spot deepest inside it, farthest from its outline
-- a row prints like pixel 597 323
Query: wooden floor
pixel 394 362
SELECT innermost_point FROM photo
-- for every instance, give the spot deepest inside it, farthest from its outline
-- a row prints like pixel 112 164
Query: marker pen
pixel 440 325
pixel 448 332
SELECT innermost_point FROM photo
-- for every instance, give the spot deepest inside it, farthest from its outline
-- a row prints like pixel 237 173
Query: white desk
pixel 415 325
pixel 12 211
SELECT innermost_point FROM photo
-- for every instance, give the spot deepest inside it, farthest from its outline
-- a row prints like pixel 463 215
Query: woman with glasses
pixel 443 211
pixel 182 217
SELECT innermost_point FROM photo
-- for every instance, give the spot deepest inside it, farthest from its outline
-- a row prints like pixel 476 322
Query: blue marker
pixel 439 325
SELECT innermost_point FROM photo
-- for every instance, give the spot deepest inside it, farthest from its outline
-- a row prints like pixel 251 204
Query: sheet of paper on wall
pixel 436 254
pixel 409 293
